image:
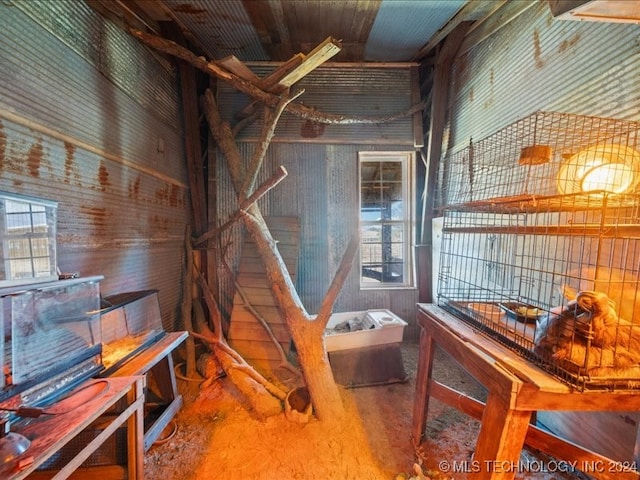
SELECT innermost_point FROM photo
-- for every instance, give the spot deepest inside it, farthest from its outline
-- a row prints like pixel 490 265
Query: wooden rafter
pixel 323 52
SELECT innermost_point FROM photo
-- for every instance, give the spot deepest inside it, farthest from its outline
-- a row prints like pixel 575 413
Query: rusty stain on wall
pixel 537 51
pixel 134 189
pixel 169 194
pixel 103 177
pixel 567 44
pixel 160 224
pixel 70 170
pixel 97 215
pixel 161 194
pixel 173 196
pixel 34 159
pixel 311 129
pixel 98 218
pixel 3 145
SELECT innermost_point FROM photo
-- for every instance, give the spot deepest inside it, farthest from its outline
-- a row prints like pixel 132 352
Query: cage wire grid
pixel 541 260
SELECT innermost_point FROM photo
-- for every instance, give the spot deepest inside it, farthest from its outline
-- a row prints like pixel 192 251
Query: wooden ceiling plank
pixel 235 66
pixel 323 52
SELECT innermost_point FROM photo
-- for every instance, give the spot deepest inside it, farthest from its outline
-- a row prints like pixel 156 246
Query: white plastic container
pixel 381 327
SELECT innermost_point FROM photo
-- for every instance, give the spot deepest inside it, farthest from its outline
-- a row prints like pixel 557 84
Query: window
pixel 28 235
pixel 385 219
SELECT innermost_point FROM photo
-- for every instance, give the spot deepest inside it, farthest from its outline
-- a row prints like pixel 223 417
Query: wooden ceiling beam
pixel 235 66
pixel 323 52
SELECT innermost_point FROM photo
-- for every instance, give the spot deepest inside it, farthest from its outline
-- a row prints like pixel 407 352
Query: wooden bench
pixel 516 390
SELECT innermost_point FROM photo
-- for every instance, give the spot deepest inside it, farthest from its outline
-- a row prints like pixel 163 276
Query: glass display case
pixel 129 322
pixel 49 329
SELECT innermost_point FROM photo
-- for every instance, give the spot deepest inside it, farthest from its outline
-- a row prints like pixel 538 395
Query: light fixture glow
pixel 611 168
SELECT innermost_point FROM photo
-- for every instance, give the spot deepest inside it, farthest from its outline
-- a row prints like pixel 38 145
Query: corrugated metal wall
pixel 536 62
pixel 349 91
pixel 90 118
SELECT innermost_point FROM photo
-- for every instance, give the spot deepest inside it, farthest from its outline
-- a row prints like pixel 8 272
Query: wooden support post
pixel 500 440
pixel 423 380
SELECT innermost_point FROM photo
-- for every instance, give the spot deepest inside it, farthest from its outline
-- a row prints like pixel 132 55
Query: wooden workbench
pixel 49 434
pixel 516 389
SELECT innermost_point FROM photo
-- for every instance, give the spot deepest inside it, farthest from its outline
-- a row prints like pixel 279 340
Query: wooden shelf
pixel 49 434
pixel 156 361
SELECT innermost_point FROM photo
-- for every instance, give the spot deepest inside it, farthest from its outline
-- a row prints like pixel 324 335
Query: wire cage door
pixel 541 244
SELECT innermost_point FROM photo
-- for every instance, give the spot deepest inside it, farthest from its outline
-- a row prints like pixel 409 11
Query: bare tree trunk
pixel 307 333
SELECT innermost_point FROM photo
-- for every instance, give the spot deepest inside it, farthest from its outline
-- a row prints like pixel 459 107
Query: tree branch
pixel 297 109
pixel 268 129
pixel 338 280
pixel 223 136
pixel 274 180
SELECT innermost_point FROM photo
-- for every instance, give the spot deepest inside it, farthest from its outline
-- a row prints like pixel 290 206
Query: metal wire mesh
pixel 541 244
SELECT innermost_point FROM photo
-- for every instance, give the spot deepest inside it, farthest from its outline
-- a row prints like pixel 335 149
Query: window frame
pixel 407 160
pixel 34 210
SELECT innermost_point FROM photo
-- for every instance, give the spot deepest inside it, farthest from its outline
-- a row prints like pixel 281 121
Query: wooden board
pixel 246 334
pixel 612 434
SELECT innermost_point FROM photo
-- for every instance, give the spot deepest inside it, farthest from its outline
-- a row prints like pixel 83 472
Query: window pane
pixel 42 267
pixel 382 253
pixel 384 218
pixel 40 247
pixel 21 268
pixel 27 231
pixel 19 248
pixel 18 223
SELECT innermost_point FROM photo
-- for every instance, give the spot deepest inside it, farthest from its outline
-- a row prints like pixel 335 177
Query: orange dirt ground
pixel 215 437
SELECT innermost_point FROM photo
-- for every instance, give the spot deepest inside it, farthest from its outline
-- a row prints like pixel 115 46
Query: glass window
pixel 27 232
pixel 385 219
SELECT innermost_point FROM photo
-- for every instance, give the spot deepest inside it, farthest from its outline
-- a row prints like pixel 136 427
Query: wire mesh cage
pixel 541 244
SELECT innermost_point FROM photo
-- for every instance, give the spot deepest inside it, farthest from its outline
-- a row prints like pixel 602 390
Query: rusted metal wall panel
pixel 348 91
pixel 88 118
pixel 321 189
pixel 537 62
pixel 237 36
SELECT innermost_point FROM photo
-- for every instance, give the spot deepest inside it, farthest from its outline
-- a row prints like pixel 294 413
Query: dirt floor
pixel 215 437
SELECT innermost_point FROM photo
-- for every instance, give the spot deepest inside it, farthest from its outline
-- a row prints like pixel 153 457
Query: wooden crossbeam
pixel 235 66
pixel 323 52
pixel 271 83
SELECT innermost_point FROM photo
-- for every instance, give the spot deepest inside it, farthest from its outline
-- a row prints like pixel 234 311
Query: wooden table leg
pixel 501 437
pixel 135 432
pixel 423 377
